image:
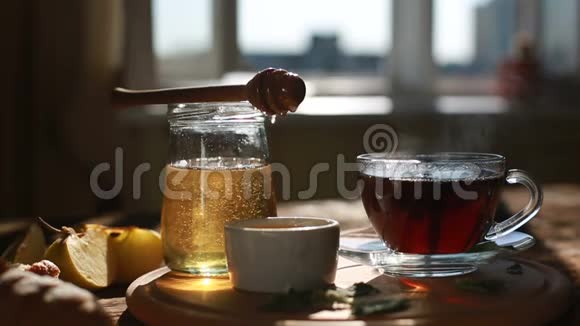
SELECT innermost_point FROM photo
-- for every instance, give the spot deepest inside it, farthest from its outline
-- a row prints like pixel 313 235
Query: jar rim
pixel 214 112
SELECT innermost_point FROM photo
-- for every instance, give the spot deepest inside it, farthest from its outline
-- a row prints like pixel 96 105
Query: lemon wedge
pixel 84 259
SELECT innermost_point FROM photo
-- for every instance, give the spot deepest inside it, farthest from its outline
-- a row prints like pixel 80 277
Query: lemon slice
pixel 83 259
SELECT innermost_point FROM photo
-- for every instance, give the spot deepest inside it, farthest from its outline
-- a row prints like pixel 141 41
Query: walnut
pixel 45 267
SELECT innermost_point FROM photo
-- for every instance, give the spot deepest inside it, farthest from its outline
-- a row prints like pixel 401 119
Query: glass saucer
pixel 365 247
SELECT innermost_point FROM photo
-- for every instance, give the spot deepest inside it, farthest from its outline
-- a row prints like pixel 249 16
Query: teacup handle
pixel 527 213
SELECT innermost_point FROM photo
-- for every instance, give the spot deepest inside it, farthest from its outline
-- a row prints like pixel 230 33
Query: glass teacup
pixel 425 205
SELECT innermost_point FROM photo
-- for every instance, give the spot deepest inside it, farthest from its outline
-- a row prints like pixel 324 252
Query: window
pixel 340 46
pixel 182 39
pixel 331 42
pixel 315 36
pixel 346 48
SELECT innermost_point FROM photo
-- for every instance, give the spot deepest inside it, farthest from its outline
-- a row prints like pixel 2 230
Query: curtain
pixel 59 63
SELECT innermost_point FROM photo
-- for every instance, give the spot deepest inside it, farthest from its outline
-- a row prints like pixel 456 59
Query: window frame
pixel 402 85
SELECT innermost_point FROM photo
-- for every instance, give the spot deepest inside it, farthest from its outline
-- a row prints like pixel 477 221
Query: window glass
pixel 560 37
pixel 182 38
pixel 471 38
pixel 326 36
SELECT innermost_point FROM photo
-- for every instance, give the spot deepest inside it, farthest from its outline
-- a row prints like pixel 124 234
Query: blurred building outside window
pixel 560 35
pixel 344 48
pixel 470 39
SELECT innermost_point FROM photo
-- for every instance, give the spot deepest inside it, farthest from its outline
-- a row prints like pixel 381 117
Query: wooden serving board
pixel 538 295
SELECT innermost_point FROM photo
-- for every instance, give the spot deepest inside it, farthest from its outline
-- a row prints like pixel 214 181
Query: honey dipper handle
pixel 272 91
pixel 124 98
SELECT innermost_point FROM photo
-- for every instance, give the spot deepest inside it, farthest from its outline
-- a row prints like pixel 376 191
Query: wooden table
pixel 557 228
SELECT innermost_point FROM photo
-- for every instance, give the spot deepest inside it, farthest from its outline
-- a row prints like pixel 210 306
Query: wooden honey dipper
pixel 272 91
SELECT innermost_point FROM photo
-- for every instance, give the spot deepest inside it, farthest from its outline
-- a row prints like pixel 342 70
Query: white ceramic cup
pixel 277 254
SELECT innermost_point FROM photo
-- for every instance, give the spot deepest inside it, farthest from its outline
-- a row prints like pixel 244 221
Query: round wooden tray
pixel 539 295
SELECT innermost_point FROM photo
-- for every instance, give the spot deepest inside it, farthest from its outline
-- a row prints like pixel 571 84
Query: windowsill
pixel 349 94
pixel 380 105
pixel 471 105
pixel 360 106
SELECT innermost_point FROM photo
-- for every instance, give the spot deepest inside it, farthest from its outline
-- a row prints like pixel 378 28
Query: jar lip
pixel 214 112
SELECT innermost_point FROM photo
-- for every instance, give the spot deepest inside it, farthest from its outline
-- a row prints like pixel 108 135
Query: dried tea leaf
pixel 362 289
pixel 336 295
pixel 295 301
pixel 319 299
pixel 481 286
pixel 376 306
